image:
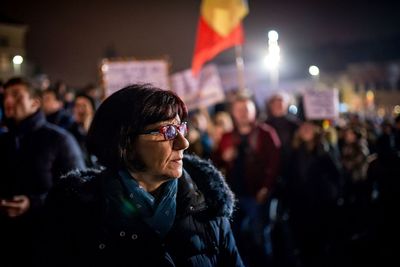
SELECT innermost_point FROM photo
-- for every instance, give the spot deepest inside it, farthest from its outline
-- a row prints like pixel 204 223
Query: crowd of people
pixel 310 193
pixel 306 193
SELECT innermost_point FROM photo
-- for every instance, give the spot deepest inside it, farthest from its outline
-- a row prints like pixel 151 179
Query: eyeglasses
pixel 170 131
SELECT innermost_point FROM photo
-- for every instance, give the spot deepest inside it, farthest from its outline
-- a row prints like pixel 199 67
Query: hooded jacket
pixel 84 229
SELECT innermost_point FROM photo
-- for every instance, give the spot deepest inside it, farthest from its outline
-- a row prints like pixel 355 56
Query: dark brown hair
pixel 33 92
pixel 125 114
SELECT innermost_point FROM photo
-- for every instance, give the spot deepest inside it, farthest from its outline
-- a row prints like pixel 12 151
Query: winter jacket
pixel 84 229
pixel 61 118
pixel 33 156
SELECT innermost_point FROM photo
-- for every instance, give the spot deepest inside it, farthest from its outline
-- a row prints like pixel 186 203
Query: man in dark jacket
pixel 33 155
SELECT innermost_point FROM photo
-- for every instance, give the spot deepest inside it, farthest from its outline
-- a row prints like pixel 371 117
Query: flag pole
pixel 240 67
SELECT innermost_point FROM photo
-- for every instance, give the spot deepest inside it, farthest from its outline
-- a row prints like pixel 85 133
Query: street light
pixel 17 61
pixel 273 57
pixel 313 70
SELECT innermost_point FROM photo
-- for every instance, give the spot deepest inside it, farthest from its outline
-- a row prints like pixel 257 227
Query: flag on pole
pixel 219 28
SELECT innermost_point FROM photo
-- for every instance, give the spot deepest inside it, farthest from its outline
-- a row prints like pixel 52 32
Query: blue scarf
pixel 159 213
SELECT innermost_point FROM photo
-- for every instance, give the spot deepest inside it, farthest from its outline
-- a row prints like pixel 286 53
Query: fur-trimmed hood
pixel 211 183
pixel 199 177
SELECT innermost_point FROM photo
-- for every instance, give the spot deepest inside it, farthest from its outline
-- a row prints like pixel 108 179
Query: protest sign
pixel 204 91
pixel 321 104
pixel 117 74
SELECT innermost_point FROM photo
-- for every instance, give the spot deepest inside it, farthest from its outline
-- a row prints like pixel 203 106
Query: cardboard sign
pixel 117 74
pixel 321 104
pixel 204 91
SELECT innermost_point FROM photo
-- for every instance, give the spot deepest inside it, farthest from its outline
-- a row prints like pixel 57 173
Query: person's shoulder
pixel 53 128
pixel 56 133
pixel 211 183
pixel 77 184
pixel 76 199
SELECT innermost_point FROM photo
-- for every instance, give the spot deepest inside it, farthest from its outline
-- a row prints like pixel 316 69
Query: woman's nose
pixel 180 142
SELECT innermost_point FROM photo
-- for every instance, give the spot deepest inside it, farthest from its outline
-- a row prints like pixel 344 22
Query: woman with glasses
pixel 150 205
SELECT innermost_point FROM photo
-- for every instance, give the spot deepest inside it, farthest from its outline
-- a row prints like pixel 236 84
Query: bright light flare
pixel 273 36
pixel 271 61
pixel 293 109
pixel 313 70
pixel 17 60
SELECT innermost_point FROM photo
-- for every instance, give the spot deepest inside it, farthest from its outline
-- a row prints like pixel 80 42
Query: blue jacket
pixel 85 230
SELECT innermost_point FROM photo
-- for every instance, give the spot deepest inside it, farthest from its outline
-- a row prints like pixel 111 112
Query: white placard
pixel 202 91
pixel 118 74
pixel 321 104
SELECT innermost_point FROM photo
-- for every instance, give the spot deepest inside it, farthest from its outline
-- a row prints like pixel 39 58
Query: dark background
pixel 67 39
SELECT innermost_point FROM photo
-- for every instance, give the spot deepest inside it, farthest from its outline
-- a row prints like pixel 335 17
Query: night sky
pixel 67 39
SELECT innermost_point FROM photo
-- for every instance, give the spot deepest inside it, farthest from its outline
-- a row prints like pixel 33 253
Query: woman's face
pixel 162 158
pixel 82 109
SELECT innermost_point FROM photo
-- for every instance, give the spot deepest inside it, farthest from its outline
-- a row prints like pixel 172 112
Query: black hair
pixel 55 92
pixel 89 98
pixel 33 92
pixel 123 116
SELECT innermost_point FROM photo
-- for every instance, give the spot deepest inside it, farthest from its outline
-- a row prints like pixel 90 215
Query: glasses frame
pixel 164 129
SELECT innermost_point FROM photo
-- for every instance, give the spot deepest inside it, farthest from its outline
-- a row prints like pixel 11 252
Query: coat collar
pixel 202 188
pixel 30 124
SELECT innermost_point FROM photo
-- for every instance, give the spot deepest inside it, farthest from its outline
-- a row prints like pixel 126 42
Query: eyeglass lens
pixel 171 131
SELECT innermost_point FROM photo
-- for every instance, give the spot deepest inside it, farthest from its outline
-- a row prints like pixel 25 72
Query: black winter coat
pixel 33 156
pixel 85 231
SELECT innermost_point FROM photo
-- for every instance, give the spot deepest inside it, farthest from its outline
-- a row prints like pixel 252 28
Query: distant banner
pixel 117 74
pixel 321 104
pixel 204 91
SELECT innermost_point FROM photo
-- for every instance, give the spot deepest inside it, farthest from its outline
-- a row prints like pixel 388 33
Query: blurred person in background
pixel 222 123
pixel 33 155
pixel 383 176
pixel 83 112
pixel 94 92
pixel 314 188
pixel 199 134
pixel 249 155
pixel 68 99
pixel 53 108
pixel 284 123
pixel 42 82
pixel 354 152
pixel 150 205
